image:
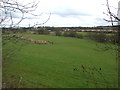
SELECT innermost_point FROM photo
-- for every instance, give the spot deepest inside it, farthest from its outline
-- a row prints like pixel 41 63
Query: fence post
pixel 118 36
pixel 0 58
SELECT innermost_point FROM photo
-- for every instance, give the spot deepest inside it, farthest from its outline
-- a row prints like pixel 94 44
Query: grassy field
pixel 58 65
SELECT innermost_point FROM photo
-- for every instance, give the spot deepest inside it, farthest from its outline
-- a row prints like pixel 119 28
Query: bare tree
pixel 114 18
pixel 8 8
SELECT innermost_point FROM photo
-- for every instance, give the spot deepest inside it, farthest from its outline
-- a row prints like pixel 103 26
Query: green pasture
pixel 58 65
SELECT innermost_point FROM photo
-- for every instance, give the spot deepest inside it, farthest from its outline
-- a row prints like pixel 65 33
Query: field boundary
pixel 31 40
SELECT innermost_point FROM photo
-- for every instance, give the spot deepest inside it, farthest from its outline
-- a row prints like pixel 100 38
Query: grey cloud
pixel 101 21
pixel 66 12
pixel 18 15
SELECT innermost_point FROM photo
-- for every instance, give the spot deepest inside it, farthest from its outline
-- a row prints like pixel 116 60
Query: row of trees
pixel 103 38
pixel 96 36
pixel 68 34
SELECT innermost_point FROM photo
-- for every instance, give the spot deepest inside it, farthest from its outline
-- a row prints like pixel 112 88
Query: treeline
pixel 103 37
pixel 96 36
pixel 69 34
pixel 46 29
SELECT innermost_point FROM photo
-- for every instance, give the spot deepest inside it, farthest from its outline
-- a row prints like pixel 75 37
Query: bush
pixel 66 34
pixel 41 31
pixel 72 34
pixel 79 36
pixel 112 39
pixel 99 37
pixel 58 33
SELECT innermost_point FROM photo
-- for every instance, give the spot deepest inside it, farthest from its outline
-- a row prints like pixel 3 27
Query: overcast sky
pixel 70 12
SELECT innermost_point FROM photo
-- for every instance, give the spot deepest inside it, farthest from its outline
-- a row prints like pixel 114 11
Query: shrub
pixel 58 33
pixel 99 37
pixel 66 34
pixel 41 31
pixel 72 34
pixel 112 39
pixel 79 36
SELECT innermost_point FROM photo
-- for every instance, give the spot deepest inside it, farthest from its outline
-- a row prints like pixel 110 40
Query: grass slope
pixel 52 66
